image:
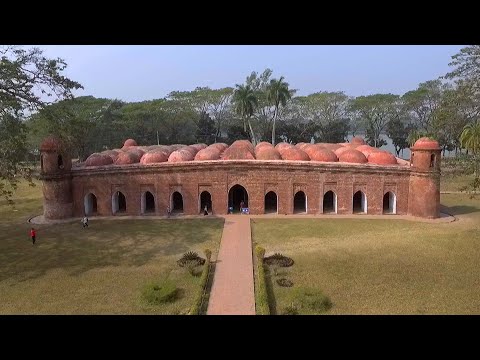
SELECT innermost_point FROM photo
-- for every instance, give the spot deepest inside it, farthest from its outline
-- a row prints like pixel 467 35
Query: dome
pixel 190 149
pixel 199 147
pixel 112 153
pixel 426 144
pixel 176 147
pixel 210 153
pixel 245 144
pixel 97 159
pixel 294 153
pixel 136 150
pixel 341 150
pixel 267 153
pixel 239 152
pixel 154 157
pixel 263 144
pixel 125 158
pixel 357 140
pixel 220 146
pixel 344 144
pixel 129 142
pixel 51 143
pixel 366 149
pixel 283 145
pixel 382 158
pixel 352 156
pixel 331 147
pixel 302 145
pixel 319 153
pixel 180 155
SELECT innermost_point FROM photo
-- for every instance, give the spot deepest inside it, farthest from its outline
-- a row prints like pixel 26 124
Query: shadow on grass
pixel 269 278
pixel 459 209
pixel 206 299
pixel 104 243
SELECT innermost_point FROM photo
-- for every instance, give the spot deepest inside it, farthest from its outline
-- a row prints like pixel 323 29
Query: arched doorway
pixel 60 162
pixel 177 202
pixel 300 203
pixel 359 203
pixel 90 204
pixel 271 203
pixel 389 203
pixel 119 203
pixel 205 199
pixel 236 195
pixel 330 203
pixel 148 203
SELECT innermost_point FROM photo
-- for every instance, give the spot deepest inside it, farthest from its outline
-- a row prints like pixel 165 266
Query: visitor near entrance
pixel 85 221
pixel 205 211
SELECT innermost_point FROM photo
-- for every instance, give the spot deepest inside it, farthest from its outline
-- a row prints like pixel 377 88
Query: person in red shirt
pixel 33 234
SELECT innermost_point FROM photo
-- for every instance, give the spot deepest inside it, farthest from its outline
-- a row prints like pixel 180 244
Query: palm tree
pixel 470 140
pixel 277 94
pixel 245 103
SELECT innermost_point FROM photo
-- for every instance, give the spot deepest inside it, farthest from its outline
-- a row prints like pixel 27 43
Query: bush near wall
pixel 263 307
pixel 201 294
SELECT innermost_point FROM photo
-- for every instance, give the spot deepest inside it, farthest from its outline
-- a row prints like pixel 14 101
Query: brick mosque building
pixel 306 178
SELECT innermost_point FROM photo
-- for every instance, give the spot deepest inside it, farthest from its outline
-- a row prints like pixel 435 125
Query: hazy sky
pixel 136 73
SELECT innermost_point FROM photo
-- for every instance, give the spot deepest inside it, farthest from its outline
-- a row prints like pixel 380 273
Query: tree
pixel 398 132
pixel 206 132
pixel 245 103
pixel 27 82
pixel 277 94
pixel 467 66
pixel 375 111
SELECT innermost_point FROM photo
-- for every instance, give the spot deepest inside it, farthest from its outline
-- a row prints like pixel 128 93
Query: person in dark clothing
pixel 33 235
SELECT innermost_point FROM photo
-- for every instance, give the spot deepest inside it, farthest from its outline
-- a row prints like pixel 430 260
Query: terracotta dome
pixel 352 156
pixel 136 150
pixel 125 158
pixel 219 146
pixel 302 145
pixel 382 158
pixel 199 147
pixel 154 157
pixel 129 142
pixel 344 144
pixel 267 153
pixel 112 153
pixel 319 153
pixel 426 144
pixel 51 143
pixel 353 146
pixel 210 153
pixel 294 153
pixel 331 147
pixel 190 149
pixel 238 153
pixel 283 145
pixel 97 159
pixel 357 140
pixel 176 147
pixel 366 149
pixel 262 145
pixel 180 155
pixel 341 150
pixel 245 144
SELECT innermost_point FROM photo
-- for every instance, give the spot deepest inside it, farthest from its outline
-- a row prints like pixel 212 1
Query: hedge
pixel 263 307
pixel 197 305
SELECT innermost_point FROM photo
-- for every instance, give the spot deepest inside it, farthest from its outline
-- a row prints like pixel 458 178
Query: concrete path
pixel 233 290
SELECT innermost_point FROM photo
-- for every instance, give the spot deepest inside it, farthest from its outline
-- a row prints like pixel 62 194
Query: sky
pixel 141 72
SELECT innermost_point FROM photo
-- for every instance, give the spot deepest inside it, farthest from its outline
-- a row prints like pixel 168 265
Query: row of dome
pixel 354 152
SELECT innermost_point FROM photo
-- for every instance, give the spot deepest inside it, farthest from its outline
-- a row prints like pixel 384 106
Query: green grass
pixel 452 182
pixel 381 266
pixel 99 270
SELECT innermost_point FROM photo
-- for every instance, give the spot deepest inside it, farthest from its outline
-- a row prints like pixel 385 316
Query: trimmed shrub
pixel 263 307
pixel 312 299
pixel 278 260
pixel 190 259
pixel 284 282
pixel 201 295
pixel 160 293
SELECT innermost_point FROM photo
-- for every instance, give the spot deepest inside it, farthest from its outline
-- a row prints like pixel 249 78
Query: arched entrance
pixel 148 203
pixel 389 203
pixel 90 204
pixel 119 203
pixel 359 203
pixel 300 203
pixel 236 195
pixel 271 203
pixel 205 199
pixel 330 203
pixel 177 202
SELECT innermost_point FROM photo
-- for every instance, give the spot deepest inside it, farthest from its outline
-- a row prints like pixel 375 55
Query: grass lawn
pixel 381 266
pixel 99 270
pixel 452 182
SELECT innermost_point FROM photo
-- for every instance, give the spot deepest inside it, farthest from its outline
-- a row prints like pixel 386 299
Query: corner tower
pixel 424 193
pixel 56 163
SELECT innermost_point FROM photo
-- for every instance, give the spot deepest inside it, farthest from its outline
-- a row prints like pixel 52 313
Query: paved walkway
pixel 232 290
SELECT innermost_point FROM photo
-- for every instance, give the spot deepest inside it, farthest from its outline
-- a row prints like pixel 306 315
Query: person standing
pixel 242 204
pixel 33 235
pixel 85 221
pixel 168 211
pixel 205 211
